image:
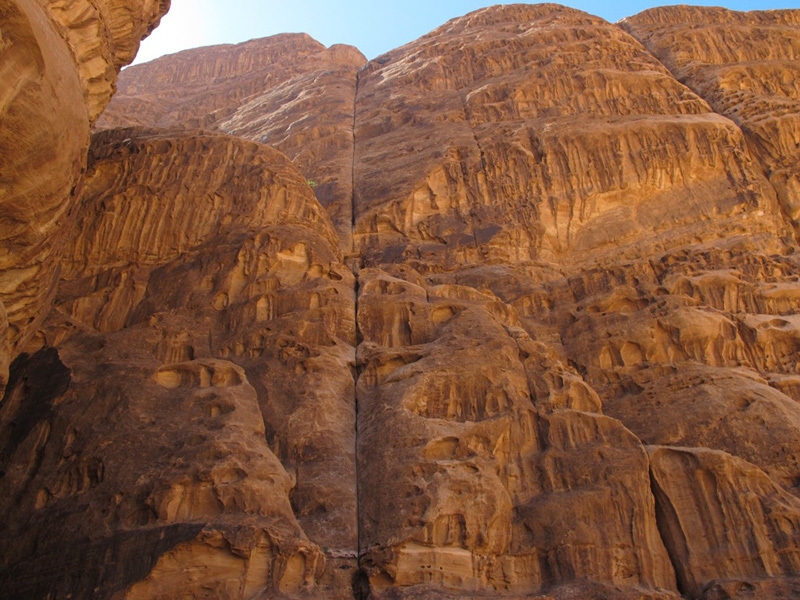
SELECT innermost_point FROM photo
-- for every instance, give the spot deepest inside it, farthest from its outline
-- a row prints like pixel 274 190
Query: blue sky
pixel 374 27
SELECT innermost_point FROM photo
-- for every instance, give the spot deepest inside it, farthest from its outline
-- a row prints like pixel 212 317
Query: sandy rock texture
pixel 194 355
pixel 58 62
pixel 746 66
pixel 287 91
pixel 586 215
pixel 496 166
pixel 510 311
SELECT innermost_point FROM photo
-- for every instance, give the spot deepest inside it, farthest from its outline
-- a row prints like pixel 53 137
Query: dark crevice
pixel 360 581
pixel 361 586
pixel 353 166
pixel 671 534
pixel 34 382
pixel 356 376
pixel 469 121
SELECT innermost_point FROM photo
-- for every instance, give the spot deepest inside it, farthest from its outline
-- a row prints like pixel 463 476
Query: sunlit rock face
pixel 746 66
pixel 510 311
pixel 548 289
pixel 288 91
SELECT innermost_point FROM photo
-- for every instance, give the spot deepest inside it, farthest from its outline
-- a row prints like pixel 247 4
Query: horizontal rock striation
pixel 746 66
pixel 495 166
pixel 588 213
pixel 510 311
pixel 274 91
pixel 58 62
pixel 220 433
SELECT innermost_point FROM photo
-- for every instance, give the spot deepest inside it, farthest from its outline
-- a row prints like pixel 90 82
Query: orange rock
pixel 238 433
pixel 58 62
pixel 745 65
pixel 288 91
pixel 749 524
pixel 509 312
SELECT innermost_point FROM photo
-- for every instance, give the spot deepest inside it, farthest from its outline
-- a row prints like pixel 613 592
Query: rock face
pixel 746 67
pixel 288 91
pixel 512 313
pixel 59 61
pixel 178 445
pixel 569 212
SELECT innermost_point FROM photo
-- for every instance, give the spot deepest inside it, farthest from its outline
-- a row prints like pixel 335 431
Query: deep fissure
pixel 360 580
pixel 664 513
pixel 672 336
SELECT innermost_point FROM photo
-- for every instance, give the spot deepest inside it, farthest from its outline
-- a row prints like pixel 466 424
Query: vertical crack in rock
pixel 442 411
pixel 360 581
pixel 670 531
pixel 470 123
pixel 353 169
pixel 361 586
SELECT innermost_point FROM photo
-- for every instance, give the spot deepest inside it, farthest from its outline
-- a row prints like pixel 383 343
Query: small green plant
pixel 311 183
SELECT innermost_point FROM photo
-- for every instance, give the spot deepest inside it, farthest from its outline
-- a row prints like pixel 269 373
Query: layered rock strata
pixel 288 91
pixel 572 208
pixel 58 62
pixel 537 337
pixel 746 66
pixel 200 309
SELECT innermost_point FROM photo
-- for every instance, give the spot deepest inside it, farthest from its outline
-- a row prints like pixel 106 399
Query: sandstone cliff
pixel 288 91
pixel 158 432
pixel 512 313
pixel 746 66
pixel 58 62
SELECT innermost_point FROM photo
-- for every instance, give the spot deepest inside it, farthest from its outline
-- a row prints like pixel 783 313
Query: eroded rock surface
pixel 288 91
pixel 228 283
pixel 577 212
pixel 494 166
pixel 58 63
pixel 515 315
pixel 746 66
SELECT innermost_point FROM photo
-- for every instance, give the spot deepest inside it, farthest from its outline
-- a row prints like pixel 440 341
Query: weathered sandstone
pixel 510 312
pixel 220 433
pixel 729 493
pixel 450 419
pixel 288 91
pixel 746 65
pixel 496 166
pixel 608 248
pixel 58 63
pixel 103 36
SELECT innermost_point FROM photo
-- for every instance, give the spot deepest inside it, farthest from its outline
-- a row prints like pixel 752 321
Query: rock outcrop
pixel 573 210
pixel 510 312
pixel 58 62
pixel 162 425
pixel 746 66
pixel 288 91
